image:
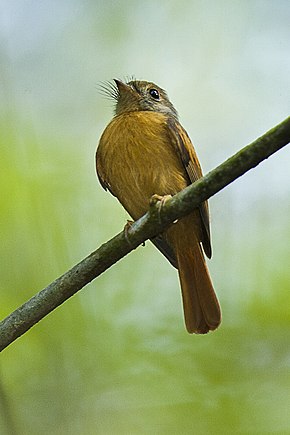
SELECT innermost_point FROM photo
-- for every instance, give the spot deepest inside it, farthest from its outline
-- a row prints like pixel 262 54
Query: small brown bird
pixel 145 151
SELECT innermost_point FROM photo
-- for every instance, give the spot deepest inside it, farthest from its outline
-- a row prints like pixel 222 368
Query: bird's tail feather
pixel 201 307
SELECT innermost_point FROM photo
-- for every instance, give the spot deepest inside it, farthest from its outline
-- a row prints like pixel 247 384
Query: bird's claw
pixel 126 232
pixel 159 201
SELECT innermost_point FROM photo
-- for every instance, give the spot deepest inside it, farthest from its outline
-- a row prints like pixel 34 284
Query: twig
pixel 23 318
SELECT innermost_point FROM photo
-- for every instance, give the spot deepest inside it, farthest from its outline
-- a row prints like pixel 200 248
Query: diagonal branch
pixel 23 318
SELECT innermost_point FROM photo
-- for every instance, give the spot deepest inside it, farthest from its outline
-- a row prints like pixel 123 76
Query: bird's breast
pixel 136 159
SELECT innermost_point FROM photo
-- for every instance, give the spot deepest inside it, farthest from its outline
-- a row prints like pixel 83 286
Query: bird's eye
pixel 154 94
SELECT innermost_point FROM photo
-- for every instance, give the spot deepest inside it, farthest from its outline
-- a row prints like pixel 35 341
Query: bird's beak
pixel 126 98
pixel 123 87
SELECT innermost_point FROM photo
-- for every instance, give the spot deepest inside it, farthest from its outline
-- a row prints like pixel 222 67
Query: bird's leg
pixel 159 201
pixel 126 230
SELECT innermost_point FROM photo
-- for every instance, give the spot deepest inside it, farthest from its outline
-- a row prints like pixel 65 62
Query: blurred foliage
pixel 115 359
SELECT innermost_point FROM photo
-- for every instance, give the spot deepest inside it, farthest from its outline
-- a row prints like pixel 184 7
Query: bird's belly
pixel 139 171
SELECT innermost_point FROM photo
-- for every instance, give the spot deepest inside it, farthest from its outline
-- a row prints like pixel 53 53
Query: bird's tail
pixel 201 307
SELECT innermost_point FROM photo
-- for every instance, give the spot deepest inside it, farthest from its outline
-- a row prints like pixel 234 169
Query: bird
pixel 144 151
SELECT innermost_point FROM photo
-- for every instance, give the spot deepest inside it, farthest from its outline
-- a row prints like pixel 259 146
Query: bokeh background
pixel 115 359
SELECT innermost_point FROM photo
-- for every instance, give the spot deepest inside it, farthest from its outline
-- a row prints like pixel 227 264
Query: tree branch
pixel 151 224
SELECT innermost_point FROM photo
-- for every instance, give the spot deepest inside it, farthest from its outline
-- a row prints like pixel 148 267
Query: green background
pixel 116 359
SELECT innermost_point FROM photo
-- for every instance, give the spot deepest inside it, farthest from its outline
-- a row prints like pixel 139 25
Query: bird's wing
pixel 101 176
pixel 185 149
pixel 164 247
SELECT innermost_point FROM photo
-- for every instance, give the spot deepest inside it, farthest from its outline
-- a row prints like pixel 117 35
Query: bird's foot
pixel 159 201
pixel 126 231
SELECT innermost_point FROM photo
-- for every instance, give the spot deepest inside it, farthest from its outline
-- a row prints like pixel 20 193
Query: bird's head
pixel 138 96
